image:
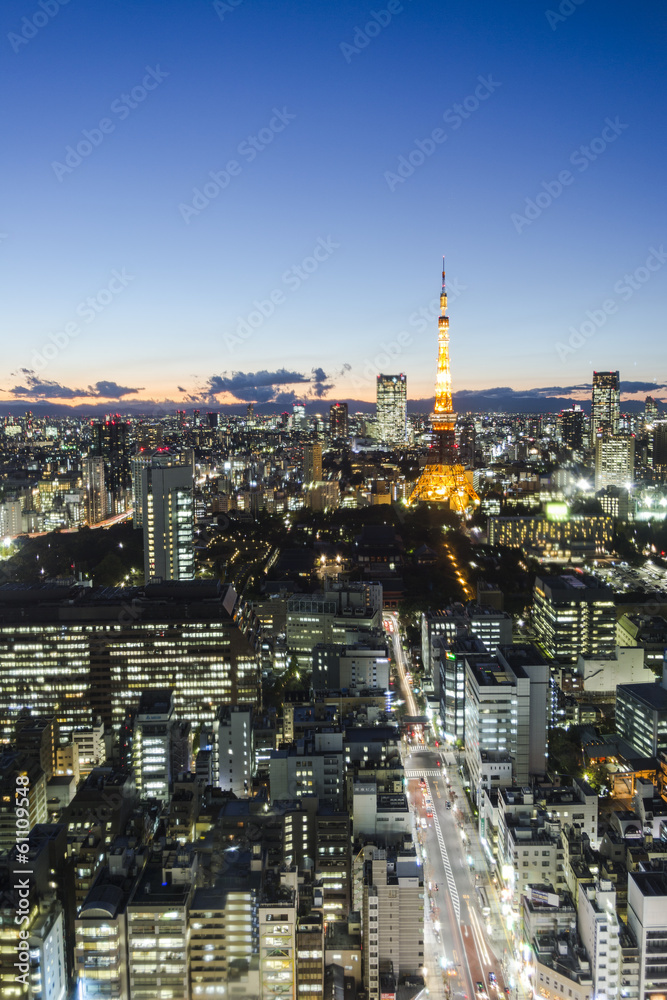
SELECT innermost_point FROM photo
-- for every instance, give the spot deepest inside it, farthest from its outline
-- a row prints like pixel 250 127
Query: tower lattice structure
pixel 444 480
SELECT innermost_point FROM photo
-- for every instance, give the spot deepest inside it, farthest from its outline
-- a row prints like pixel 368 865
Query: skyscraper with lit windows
pixel 168 521
pixel 392 402
pixel 605 404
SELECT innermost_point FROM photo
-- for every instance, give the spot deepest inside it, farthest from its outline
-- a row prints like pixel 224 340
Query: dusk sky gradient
pixel 323 178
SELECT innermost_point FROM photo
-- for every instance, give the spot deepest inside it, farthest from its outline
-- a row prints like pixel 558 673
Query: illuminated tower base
pixel 444 480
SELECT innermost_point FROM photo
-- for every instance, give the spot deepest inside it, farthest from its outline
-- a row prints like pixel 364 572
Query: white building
pixel 614 461
pixel 393 916
pixel 599 931
pixel 507 711
pixel 235 748
pixel 647 919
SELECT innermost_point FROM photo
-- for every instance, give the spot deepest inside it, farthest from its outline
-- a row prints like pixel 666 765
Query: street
pixel 463 946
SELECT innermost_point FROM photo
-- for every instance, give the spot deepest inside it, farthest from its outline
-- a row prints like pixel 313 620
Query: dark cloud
pixel 649 387
pixel 37 388
pixel 265 386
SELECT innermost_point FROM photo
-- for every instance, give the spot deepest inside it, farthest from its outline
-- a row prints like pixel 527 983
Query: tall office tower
pixel 312 463
pixel 657 453
pixel 196 418
pixel 444 479
pixel 299 416
pixel 180 418
pixel 651 410
pixel 111 442
pixel 168 522
pixel 138 463
pixel 614 461
pixel 213 419
pixel 338 420
pixel 151 743
pixel 572 427
pixel 95 493
pixel 148 437
pixel 605 404
pixel 391 408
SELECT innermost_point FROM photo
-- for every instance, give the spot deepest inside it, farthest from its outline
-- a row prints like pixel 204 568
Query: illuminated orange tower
pixel 444 480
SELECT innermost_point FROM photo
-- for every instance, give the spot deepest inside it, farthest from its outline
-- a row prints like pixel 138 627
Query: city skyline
pixel 193 217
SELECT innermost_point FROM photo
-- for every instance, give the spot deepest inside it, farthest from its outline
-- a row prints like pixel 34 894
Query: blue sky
pixel 316 214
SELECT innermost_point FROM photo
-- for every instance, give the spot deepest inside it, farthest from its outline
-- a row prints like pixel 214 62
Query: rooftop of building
pixel 569 586
pixel 650 883
pixel 652 696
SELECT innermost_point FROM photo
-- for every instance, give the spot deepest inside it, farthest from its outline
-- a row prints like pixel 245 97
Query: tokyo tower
pixel 444 480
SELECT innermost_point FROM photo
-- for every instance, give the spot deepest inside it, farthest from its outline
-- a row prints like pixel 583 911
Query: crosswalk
pixel 453 891
pixel 435 772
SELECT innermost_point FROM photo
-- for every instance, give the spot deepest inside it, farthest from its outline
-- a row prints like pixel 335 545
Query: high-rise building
pixel 647 906
pixel 138 463
pixel 59 656
pixel 391 403
pixel 213 418
pixel 658 450
pixel 651 411
pixel 338 420
pixel 573 615
pixel 393 919
pixel 444 479
pixel 94 490
pixel 312 463
pixel 605 404
pixel 233 748
pixel 111 442
pixel 151 745
pixel 507 711
pixel 10 519
pixel 572 427
pixel 168 522
pixel 299 416
pixel 614 460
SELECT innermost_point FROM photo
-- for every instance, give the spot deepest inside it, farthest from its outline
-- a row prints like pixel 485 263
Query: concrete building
pixel 95 492
pixel 151 744
pixel 359 666
pixel 507 711
pixel 315 767
pixel 641 717
pixel 649 633
pixel 576 535
pixel 393 916
pixel 312 463
pixel 574 615
pixel 59 656
pixel 11 523
pixel 168 521
pixel 277 941
pixel 647 909
pixel 605 404
pixel 615 461
pixel 234 742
